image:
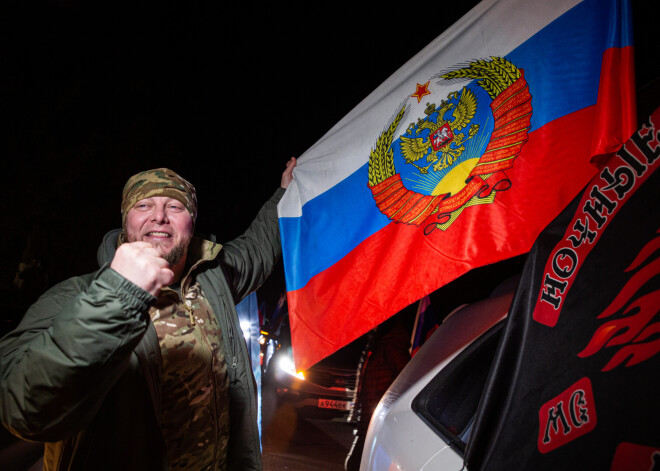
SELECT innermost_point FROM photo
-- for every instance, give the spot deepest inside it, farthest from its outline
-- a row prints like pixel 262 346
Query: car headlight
pixel 285 364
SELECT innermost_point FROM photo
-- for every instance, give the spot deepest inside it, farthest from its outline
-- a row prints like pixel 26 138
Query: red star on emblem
pixel 421 91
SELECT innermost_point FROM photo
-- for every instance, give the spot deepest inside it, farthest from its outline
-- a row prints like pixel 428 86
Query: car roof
pixel 459 329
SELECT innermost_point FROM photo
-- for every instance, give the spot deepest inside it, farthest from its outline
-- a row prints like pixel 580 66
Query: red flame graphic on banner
pixel 636 331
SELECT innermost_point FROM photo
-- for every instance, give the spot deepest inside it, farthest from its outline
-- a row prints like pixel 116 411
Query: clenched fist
pixel 141 264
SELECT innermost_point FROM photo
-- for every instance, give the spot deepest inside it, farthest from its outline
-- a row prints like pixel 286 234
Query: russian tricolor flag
pixel 458 160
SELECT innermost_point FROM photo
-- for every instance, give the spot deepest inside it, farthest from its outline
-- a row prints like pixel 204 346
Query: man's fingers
pixel 143 265
pixel 158 259
pixel 166 277
pixel 287 175
pixel 137 244
pixel 145 248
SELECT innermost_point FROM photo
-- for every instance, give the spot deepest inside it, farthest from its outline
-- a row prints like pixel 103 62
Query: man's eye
pixel 176 207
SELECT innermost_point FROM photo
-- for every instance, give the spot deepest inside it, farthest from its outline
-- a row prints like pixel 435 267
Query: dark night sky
pixel 94 91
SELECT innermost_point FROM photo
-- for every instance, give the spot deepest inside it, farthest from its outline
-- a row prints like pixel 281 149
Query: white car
pixel 424 419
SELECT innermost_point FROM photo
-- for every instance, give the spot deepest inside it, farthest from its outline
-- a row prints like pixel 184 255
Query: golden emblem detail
pixel 511 108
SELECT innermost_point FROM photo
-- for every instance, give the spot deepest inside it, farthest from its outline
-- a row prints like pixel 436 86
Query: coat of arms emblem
pixel 457 153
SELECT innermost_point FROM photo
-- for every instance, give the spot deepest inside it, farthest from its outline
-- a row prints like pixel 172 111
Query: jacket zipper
pixel 232 346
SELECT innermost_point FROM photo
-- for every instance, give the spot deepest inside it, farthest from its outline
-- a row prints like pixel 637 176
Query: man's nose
pixel 158 214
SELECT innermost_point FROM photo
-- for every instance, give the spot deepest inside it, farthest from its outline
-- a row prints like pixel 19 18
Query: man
pixel 142 365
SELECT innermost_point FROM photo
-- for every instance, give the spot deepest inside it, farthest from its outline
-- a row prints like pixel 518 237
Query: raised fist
pixel 141 264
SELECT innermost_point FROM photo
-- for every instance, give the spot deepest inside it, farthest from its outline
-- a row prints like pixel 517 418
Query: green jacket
pixel 80 372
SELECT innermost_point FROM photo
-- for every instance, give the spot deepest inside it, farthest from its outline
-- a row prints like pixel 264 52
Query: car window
pixel 449 402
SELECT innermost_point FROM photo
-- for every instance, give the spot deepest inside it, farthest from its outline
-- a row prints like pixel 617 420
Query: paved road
pixel 291 443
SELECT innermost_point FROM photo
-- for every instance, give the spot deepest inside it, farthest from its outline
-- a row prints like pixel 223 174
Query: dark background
pixel 92 92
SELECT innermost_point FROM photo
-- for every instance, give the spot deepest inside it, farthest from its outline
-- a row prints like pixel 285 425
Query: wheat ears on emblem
pixel 506 86
pixel 493 75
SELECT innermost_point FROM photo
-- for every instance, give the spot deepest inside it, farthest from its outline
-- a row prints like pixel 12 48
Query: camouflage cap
pixel 158 182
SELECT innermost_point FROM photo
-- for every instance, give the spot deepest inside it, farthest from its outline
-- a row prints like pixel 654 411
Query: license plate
pixel 332 404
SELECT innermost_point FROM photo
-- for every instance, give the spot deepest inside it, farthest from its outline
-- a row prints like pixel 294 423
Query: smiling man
pixel 159 208
pixel 141 365
pixel 162 222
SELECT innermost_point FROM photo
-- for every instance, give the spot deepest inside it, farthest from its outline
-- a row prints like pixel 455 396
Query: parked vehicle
pixel 424 420
pixel 326 390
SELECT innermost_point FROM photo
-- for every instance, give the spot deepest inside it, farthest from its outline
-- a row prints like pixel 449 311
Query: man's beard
pixel 174 256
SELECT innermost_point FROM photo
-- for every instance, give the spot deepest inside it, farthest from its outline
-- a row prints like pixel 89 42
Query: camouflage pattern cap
pixel 158 182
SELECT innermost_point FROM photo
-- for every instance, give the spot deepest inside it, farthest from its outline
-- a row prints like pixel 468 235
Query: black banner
pixel 576 380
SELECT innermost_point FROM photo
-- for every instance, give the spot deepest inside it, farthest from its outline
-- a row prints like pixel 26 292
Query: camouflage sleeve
pixel 70 348
pixel 249 259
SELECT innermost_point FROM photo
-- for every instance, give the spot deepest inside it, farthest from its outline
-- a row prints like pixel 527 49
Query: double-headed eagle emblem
pixel 443 143
pixel 440 139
